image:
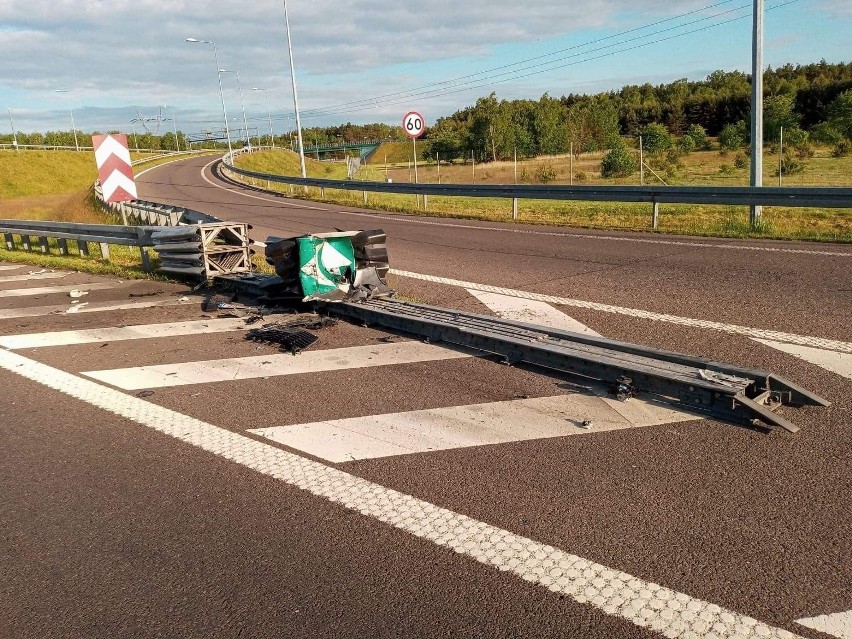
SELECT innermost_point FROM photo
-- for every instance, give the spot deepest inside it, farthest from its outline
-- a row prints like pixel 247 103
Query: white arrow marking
pixel 116 180
pixel 111 146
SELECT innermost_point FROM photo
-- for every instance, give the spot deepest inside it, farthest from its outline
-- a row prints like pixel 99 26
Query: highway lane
pixel 759 283
pixel 117 526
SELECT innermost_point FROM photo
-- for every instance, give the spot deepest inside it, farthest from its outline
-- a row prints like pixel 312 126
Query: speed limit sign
pixel 413 124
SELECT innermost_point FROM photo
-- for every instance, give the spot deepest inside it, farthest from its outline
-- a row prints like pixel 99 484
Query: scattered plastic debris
pixel 184 299
pixel 586 423
pixel 44 270
pixel 76 309
pixel 77 293
pixel 151 294
pixel 625 389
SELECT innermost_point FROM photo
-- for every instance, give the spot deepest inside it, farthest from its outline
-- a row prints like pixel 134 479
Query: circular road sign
pixel 413 124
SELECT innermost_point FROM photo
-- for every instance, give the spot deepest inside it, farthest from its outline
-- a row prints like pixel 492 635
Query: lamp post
pixel 174 124
pixel 295 95
pixel 242 104
pixel 73 126
pixel 268 114
pixel 218 77
pixel 14 134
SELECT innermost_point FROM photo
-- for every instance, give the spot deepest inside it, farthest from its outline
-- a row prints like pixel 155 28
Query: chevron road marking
pixel 531 312
pixel 838 624
pixel 226 370
pixel 419 431
pixel 115 169
pixel 834 361
pixel 91 307
pixel 47 290
pixel 140 331
pixel 733 329
pixel 34 276
pixel 611 591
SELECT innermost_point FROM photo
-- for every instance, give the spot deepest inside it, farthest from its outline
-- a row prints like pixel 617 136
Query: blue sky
pixel 371 60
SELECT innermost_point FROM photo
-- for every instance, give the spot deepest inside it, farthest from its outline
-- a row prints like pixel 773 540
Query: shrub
pixel 824 133
pixel 698 135
pixel 733 136
pixel 580 176
pixel 726 169
pixel 618 162
pixel 841 149
pixel 790 164
pixel 545 174
pixel 741 161
pixel 686 144
pixel 804 150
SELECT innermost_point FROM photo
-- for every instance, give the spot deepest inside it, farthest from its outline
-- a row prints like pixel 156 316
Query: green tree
pixel 655 138
pixel 734 136
pixel 698 135
pixel 778 112
pixel 840 114
pixel 618 162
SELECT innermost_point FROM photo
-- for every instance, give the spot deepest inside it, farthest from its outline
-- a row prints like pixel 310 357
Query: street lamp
pixel 268 114
pixel 174 124
pixel 295 96
pixel 242 105
pixel 73 126
pixel 219 77
pixel 14 134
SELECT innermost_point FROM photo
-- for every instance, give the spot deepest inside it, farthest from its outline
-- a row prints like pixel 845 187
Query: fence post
pixel 365 198
pixel 656 215
pixel 425 201
pixel 44 244
pixel 514 208
pixel 10 241
pixel 83 248
pixel 104 250
pixel 63 246
pixel 25 242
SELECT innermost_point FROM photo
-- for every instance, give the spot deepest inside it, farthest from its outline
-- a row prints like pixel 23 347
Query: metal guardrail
pixel 153 213
pixel 795 196
pixel 102 234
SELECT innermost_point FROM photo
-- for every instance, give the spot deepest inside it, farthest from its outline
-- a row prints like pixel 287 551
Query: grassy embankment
pixel 56 185
pixel 700 168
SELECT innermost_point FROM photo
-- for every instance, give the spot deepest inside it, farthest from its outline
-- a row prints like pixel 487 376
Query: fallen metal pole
pixel 728 393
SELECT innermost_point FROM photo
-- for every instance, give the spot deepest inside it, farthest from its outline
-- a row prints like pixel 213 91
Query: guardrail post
pixel 425 201
pixel 365 198
pixel 63 246
pixel 656 215
pixel 146 259
pixel 514 208
pixel 45 246
pixel 123 210
pixel 10 241
pixel 104 250
pixel 25 242
pixel 83 248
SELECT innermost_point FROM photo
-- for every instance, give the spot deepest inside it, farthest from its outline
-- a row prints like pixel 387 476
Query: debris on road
pixel 151 294
pixel 290 338
pixel 76 309
pixel 76 293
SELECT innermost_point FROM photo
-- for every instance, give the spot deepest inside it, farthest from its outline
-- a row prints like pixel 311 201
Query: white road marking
pixel 419 431
pixel 47 290
pixel 733 329
pixel 10 267
pixel 225 370
pixel 834 361
pixel 609 590
pixel 140 331
pixel 34 276
pixel 530 311
pixel 838 624
pixel 91 307
pixel 526 231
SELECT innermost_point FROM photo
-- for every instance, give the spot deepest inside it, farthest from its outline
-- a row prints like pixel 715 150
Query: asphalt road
pixel 116 524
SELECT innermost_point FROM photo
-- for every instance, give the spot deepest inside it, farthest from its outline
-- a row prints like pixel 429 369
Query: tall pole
pixel 73 125
pixel 243 107
pixel 780 155
pixel 221 94
pixel 268 115
pixel 641 163
pixel 174 124
pixel 757 108
pixel 14 134
pixel 295 95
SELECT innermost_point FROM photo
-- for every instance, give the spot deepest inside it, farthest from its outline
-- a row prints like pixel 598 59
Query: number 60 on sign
pixel 413 124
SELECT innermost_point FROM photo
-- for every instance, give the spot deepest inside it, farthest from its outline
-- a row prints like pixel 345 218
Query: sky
pixel 368 60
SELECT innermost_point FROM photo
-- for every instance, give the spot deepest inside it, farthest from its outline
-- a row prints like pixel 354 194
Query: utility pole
pixel 757 108
pixel 780 155
pixel 641 164
pixel 14 134
pixel 295 95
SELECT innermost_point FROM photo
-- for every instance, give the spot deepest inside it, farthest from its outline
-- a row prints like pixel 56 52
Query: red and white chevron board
pixel 114 170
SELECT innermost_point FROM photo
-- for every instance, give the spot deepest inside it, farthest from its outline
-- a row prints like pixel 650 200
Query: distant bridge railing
pixel 792 196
